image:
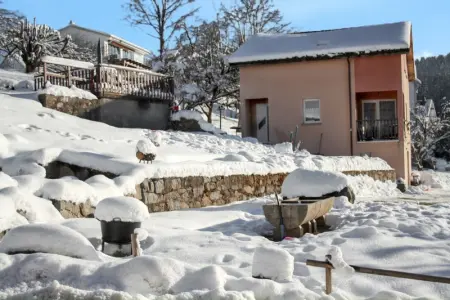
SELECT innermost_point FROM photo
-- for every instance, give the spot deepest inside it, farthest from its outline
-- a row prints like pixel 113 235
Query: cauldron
pixel 117 231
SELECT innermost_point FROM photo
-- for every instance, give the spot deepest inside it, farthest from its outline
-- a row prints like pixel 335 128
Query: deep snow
pixel 203 253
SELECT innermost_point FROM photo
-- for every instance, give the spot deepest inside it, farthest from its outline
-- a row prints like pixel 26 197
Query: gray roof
pixel 394 37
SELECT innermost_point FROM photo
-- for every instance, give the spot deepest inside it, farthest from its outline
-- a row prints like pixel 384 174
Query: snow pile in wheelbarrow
pixel 312 183
pixel 127 209
pixel 48 238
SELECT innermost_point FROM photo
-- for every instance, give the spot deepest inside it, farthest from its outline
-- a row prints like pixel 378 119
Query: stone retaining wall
pixel 74 210
pixel 167 194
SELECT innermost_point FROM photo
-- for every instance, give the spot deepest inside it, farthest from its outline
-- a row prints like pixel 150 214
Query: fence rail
pixel 369 130
pixel 329 267
pixel 136 82
pixel 110 80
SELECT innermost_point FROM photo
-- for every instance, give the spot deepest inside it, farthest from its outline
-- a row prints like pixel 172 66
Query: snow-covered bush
pixel 273 263
pixel 127 209
pixel 48 238
pixel 312 183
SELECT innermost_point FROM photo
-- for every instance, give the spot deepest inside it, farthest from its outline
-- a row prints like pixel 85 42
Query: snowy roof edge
pixel 377 48
pixel 107 35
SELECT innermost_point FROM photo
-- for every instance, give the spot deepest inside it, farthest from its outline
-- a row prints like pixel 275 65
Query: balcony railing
pixel 372 130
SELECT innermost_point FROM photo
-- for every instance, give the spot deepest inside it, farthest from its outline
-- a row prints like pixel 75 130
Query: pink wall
pixel 286 86
pixel 385 73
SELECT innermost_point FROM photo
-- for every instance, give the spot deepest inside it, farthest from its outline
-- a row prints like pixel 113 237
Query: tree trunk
pixel 209 115
pixel 30 67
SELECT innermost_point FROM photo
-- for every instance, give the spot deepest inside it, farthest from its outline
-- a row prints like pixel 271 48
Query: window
pixel 311 111
pixel 379 110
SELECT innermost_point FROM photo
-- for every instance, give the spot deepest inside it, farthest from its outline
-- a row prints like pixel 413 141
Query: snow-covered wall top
pixel 330 43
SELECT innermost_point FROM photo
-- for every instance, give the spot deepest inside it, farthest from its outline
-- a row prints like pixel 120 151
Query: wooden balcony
pixel 106 81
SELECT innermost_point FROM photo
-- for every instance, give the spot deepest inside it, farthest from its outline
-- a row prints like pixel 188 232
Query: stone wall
pixel 381 175
pixel 120 112
pixel 74 210
pixel 167 194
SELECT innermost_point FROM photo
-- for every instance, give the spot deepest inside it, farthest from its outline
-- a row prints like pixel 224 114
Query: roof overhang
pixel 323 57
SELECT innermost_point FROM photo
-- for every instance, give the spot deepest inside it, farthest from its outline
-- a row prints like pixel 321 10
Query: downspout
pixel 350 103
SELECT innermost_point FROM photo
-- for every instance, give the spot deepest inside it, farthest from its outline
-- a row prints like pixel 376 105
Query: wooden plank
pixel 382 272
pixel 69 79
pixel 328 283
pixel 134 245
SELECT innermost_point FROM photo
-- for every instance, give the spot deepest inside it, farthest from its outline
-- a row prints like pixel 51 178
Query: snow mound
pixel 62 91
pixel 273 263
pixel 195 115
pixel 365 186
pixel 145 274
pixel 234 157
pixel 52 238
pixel 310 183
pixel 103 187
pixel 6 181
pixel 249 156
pixel 146 147
pixel 339 163
pixel 336 258
pixel 156 137
pixel 208 278
pixel 128 209
pixel 285 148
pixel 341 202
pixel 24 85
pixel 68 189
pixel 33 208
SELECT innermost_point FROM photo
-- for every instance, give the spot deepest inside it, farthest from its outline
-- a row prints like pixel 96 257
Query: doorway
pixel 259 119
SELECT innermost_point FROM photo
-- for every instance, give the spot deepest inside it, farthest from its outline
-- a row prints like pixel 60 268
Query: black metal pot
pixel 117 231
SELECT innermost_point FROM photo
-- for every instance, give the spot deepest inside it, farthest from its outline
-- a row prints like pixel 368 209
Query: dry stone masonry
pixel 167 194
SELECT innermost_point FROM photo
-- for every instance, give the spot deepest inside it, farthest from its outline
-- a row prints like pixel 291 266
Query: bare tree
pixel 249 17
pixel 162 16
pixel 202 74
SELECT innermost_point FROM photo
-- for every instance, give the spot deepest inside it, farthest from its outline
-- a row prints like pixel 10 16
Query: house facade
pixel 113 46
pixel 347 90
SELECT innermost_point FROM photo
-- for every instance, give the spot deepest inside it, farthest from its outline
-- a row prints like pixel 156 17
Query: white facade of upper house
pixel 113 46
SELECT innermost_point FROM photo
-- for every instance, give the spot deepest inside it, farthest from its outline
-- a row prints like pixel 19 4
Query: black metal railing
pixel 370 130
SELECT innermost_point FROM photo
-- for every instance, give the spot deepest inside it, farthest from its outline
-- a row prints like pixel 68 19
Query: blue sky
pixel 430 19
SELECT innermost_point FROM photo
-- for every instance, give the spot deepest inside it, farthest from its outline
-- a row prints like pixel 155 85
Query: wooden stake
pixel 134 244
pixel 328 284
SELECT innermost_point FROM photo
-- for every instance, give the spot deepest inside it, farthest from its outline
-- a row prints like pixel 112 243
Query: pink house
pixel 346 89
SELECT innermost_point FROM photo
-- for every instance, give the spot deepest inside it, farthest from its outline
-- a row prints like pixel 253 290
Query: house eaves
pixel 110 37
pixel 327 44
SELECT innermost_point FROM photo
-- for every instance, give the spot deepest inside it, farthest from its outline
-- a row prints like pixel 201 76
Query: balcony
pixel 377 130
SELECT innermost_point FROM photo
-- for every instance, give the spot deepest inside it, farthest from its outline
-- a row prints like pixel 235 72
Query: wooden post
pixel 69 77
pixel 134 244
pixel 45 74
pixel 328 284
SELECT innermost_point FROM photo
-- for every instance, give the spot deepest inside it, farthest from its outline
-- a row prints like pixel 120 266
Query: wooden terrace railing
pixel 106 80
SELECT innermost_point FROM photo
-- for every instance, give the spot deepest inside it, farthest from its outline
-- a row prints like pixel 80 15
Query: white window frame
pixel 377 107
pixel 304 110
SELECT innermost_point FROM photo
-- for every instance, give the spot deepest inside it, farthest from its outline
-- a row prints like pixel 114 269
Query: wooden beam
pixel 382 272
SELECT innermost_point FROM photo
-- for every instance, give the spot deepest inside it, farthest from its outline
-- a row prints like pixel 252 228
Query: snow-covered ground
pixel 205 253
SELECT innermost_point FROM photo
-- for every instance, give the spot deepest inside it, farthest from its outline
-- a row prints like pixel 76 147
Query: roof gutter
pixel 349 73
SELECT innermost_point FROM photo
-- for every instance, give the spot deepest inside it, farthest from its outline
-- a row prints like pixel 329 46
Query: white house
pixel 113 46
